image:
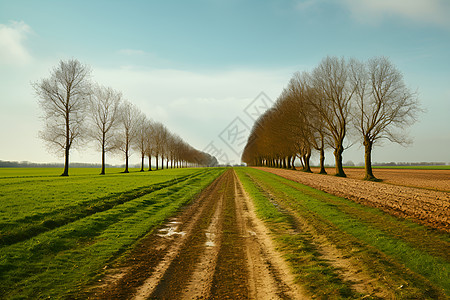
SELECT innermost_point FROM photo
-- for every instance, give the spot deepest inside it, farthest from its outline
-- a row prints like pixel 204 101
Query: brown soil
pixel 429 179
pixel 428 207
pixel 215 248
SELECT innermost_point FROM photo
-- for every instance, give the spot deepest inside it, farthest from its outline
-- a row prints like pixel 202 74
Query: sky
pixel 207 69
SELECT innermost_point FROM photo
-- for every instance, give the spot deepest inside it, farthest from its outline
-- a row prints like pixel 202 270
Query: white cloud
pixel 428 11
pixel 12 48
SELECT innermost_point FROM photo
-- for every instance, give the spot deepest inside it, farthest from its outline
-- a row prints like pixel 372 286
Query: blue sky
pixel 196 65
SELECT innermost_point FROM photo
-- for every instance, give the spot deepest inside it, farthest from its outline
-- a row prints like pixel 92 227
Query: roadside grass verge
pixel 62 261
pixel 409 259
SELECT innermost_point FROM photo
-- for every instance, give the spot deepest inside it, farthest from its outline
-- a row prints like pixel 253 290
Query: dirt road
pixel 215 248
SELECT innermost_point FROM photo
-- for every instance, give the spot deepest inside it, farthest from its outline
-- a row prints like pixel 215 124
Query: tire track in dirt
pixel 201 279
pixel 172 274
pixel 231 276
pixel 248 265
pixel 271 275
pixel 135 276
pixel 196 257
pixel 216 248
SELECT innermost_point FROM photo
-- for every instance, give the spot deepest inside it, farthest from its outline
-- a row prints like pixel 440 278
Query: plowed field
pixel 429 179
pixel 428 207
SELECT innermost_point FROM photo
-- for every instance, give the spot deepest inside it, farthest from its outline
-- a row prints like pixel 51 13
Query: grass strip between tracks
pixel 62 261
pixel 396 260
pixel 230 276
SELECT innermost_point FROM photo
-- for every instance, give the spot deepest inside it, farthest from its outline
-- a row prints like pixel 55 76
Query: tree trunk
pixel 102 172
pixel 293 163
pixel 322 161
pixel 142 162
pixel 149 162
pixel 66 163
pixel 66 160
pixel 103 160
pixel 368 159
pixel 162 162
pixel 301 161
pixel 126 162
pixel 338 159
pixel 156 161
pixel 307 158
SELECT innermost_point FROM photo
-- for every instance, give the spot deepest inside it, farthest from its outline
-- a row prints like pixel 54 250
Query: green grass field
pixel 58 233
pixel 402 253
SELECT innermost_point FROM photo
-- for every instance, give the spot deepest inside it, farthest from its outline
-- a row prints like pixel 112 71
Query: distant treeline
pixel 27 164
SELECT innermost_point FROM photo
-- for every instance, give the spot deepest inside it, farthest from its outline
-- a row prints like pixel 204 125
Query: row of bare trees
pixel 76 111
pixel 317 110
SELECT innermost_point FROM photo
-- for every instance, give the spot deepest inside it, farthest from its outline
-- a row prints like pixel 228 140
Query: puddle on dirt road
pixel 170 230
pixel 210 238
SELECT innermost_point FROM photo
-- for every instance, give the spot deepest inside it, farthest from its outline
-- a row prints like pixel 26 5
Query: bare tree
pixel 317 134
pixel 158 140
pixel 149 143
pixel 160 134
pixel 333 93
pixel 164 133
pixel 143 133
pixel 173 141
pixel 129 120
pixel 384 104
pixel 297 104
pixel 104 115
pixel 63 98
